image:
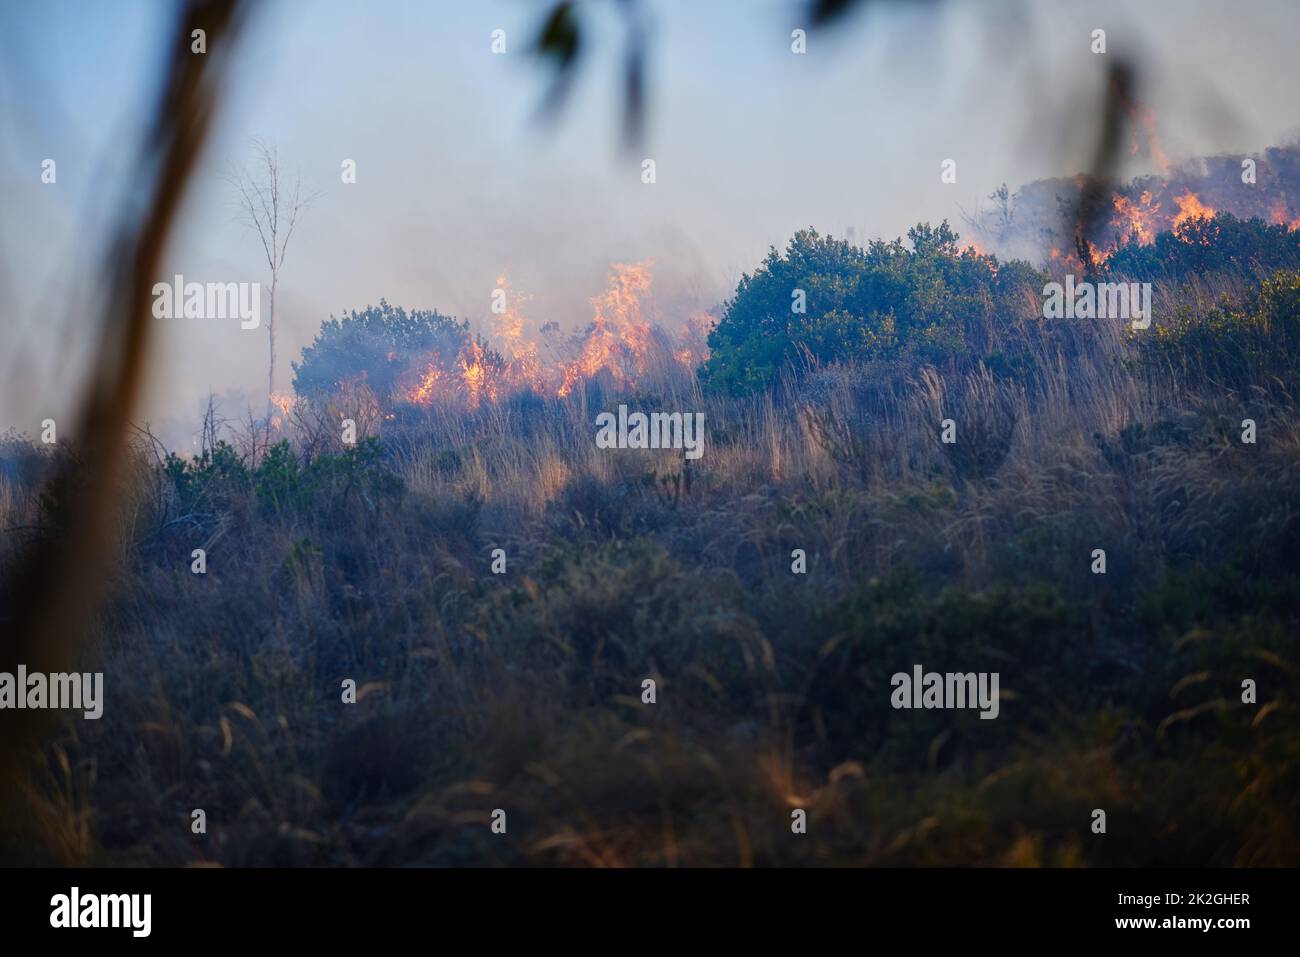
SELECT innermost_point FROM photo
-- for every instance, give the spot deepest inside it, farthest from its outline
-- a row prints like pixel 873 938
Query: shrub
pixel 933 302
pixel 377 345
pixel 1236 345
pixel 1203 245
pixel 220 480
pixel 604 619
pixel 888 625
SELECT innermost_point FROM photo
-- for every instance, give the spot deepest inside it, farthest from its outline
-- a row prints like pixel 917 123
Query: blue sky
pixel 456 185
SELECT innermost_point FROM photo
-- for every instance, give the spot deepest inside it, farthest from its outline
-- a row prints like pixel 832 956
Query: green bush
pixel 377 345
pixel 1236 344
pixel 603 619
pixel 888 625
pixel 1203 246
pixel 933 302
pixel 219 479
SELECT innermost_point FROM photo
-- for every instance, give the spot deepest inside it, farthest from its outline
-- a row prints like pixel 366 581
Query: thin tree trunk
pixel 270 334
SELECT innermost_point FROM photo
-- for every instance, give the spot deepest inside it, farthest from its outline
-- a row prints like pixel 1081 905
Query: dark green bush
pixel 376 345
pixel 282 482
pixel 933 302
pixel 1236 344
pixel 1200 247
pixel 888 625
pixel 603 619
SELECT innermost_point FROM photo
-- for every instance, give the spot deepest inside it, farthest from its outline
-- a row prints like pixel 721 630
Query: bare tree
pixel 272 208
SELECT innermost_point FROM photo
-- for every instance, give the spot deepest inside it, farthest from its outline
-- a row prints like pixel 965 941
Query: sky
pixel 458 184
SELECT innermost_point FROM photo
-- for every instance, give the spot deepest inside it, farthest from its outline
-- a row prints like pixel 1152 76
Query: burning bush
pixel 1201 245
pixel 425 359
pixel 377 346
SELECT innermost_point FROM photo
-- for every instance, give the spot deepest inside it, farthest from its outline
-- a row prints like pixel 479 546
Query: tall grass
pixel 523 691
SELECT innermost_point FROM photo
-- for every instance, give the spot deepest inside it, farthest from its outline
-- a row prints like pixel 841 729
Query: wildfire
pixel 694 346
pixel 1144 124
pixel 1139 219
pixel 1277 216
pixel 1185 200
pixel 619 337
pixel 1190 207
pixel 520 354
pixel 480 382
pixel 1136 218
pixel 285 404
pixel 427 388
pixel 621 342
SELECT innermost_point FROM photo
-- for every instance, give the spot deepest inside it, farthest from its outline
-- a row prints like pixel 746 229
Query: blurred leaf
pixel 825 11
pixel 559 37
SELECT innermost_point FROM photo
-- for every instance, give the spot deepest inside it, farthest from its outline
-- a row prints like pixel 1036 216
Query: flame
pixel 1140 219
pixel 523 368
pixel 1136 219
pixel 693 343
pixel 427 388
pixel 285 403
pixel 1190 207
pixel 1277 215
pixel 620 342
pixel 1144 120
pixel 619 337
pixel 478 375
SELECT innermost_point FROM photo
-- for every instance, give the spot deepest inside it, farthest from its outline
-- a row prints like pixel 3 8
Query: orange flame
pixel 427 387
pixel 1277 215
pixel 620 342
pixel 1136 219
pixel 479 378
pixel 523 368
pixel 619 338
pixel 1190 207
pixel 1144 119
pixel 285 403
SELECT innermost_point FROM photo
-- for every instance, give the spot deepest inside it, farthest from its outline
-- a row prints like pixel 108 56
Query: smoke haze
pixel 458 185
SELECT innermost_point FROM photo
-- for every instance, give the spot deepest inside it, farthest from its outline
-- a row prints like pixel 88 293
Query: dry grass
pixel 523 691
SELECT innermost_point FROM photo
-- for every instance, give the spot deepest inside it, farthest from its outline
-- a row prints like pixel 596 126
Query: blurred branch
pixel 1095 193
pixel 559 46
pixel 56 583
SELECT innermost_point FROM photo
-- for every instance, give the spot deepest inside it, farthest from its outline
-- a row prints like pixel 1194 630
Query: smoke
pixel 456 185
